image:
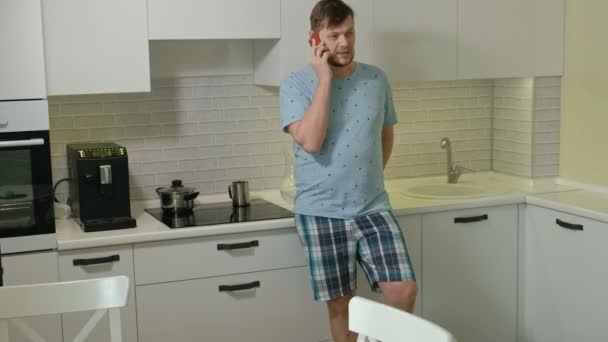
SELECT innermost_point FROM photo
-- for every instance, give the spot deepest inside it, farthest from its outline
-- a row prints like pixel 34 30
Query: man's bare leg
pixel 400 294
pixel 338 318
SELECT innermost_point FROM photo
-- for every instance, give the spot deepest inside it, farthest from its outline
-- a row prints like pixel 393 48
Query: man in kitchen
pixel 340 114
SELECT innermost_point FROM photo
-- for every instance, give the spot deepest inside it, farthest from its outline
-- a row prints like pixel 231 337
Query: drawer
pixel 277 306
pixel 98 263
pixel 183 259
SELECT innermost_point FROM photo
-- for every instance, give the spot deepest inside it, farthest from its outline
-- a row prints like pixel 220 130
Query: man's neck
pixel 345 71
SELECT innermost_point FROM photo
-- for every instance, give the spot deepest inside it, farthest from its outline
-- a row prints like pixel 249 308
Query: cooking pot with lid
pixel 177 198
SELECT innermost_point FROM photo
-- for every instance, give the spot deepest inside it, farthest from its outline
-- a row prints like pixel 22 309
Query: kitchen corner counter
pixel 502 190
pixel 589 204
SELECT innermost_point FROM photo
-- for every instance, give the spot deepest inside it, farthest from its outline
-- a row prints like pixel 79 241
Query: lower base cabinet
pixel 99 263
pixel 264 306
pixel 33 268
pixel 564 278
pixel 470 272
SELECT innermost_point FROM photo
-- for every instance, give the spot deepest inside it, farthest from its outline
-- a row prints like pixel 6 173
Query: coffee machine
pixel 99 186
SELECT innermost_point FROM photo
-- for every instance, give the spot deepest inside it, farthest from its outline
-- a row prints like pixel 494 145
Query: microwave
pixel 27 221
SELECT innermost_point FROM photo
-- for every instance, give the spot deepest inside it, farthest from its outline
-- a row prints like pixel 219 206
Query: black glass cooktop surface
pixel 221 213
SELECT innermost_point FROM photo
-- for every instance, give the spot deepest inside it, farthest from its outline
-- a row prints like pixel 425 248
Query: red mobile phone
pixel 314 37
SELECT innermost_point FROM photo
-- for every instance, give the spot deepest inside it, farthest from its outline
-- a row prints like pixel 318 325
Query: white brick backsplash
pixel 96 121
pixel 199 164
pixel 172 93
pixel 232 102
pixel 209 92
pixel 211 130
pixel 152 168
pixel 156 143
pixel 169 117
pixel 62 123
pixel 69 135
pixel 545 150
pixel 157 106
pixel 132 119
pixel 247 149
pixel 81 108
pixel 121 107
pixel 194 104
pixel 177 130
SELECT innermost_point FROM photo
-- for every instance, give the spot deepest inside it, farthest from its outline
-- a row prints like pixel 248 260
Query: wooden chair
pixel 103 295
pixel 375 321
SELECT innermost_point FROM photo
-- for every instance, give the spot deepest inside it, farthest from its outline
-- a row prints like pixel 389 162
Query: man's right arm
pixel 310 132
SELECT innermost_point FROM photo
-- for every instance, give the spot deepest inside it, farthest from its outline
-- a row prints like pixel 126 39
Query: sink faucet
pixel 454 172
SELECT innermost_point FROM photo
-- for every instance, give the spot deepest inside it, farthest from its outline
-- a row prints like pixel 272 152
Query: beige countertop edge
pixel 106 238
pixel 571 207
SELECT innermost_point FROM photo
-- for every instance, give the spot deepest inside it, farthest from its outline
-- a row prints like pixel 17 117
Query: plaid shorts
pixel 333 246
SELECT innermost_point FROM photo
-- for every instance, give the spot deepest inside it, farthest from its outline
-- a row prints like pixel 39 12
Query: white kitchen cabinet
pixel 96 46
pixel 564 279
pixel 495 38
pixel 549 46
pixel 412 232
pixel 277 306
pixel 183 259
pixel 275 59
pixel 516 38
pixel 22 67
pixel 416 40
pixel 470 272
pixel 33 268
pixel 98 263
pixel 213 19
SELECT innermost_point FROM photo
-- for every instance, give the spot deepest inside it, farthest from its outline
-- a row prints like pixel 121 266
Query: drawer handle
pixel 568 225
pixel 471 219
pixel 96 261
pixel 240 287
pixel 231 246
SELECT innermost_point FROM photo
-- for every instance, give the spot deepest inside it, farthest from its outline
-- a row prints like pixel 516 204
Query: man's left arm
pixel 387 143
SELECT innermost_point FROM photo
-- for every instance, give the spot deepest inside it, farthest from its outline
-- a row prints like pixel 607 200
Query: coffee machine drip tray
pixel 221 213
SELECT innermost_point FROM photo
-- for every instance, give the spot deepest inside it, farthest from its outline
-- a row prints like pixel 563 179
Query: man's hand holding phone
pixel 319 54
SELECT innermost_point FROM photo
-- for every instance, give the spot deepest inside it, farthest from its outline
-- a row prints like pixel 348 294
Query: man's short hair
pixel 328 13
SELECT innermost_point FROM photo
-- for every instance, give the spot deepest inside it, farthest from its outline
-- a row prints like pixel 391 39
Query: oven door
pixel 27 221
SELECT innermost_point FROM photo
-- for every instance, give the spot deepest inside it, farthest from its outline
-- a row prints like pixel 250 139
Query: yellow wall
pixel 584 120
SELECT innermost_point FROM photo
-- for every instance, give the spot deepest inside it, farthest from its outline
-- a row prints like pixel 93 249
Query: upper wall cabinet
pixel 273 59
pixel 22 62
pixel 213 19
pixel 549 19
pixel 515 38
pixel 416 40
pixel 96 46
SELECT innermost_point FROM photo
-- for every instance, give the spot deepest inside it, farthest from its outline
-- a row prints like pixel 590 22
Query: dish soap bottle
pixel 288 184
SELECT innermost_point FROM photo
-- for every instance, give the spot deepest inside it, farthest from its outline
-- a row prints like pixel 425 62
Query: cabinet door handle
pixel 470 219
pixel 242 245
pixel 96 261
pixel 568 225
pixel 239 287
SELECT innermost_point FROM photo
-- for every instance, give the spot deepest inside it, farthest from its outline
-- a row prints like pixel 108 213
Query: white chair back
pixel 102 294
pixel 375 321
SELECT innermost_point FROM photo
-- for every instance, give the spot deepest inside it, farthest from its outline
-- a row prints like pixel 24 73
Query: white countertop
pixel 501 190
pixel 593 205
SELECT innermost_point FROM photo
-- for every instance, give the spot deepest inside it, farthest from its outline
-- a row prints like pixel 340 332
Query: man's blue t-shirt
pixel 345 178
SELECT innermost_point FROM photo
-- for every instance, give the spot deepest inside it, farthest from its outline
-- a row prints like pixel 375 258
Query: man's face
pixel 340 40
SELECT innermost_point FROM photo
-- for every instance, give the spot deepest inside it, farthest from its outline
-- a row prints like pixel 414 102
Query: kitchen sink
pixel 445 191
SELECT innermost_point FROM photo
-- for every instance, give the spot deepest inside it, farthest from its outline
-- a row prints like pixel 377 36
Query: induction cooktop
pixel 206 214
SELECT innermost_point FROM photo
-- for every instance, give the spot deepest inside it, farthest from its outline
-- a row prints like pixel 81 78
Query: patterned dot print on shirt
pixel 345 175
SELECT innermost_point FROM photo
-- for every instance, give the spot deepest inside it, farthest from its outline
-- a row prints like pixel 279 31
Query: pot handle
pixel 158 190
pixel 191 196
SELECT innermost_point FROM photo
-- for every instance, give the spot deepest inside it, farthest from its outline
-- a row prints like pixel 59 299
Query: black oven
pixel 27 220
